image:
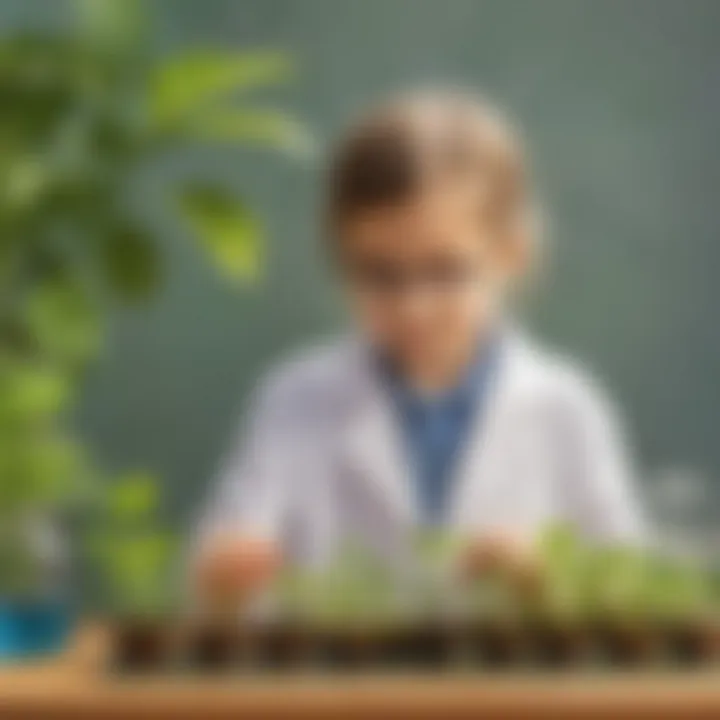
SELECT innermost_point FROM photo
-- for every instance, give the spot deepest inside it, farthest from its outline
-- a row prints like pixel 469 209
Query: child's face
pixel 426 279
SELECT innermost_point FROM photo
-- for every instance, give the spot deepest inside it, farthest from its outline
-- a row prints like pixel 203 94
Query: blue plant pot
pixel 33 628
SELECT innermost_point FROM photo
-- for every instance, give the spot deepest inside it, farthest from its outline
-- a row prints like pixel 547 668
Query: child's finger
pixel 237 566
pixel 499 550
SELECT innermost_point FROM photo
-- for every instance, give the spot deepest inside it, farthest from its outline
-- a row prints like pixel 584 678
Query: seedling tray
pixel 145 647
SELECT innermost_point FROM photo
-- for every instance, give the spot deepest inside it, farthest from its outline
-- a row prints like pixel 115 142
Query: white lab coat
pixel 322 460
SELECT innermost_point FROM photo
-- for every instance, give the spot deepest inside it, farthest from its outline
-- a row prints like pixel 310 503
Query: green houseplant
pixel 85 110
pixel 43 474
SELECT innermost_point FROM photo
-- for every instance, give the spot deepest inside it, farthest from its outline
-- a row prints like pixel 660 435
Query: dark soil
pixel 556 644
pixel 142 646
pixel 213 647
pixel 283 646
pixel 630 644
pixel 498 645
pixel 145 646
pixel 694 642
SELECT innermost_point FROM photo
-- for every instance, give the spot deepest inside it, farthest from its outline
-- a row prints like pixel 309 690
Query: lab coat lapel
pixel 371 443
pixel 481 464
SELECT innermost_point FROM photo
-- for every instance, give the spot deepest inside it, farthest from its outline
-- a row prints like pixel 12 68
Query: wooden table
pixel 77 686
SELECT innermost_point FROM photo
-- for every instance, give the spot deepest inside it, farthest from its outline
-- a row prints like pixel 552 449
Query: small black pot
pixel 280 646
pixel 694 642
pixel 631 642
pixel 142 645
pixel 498 644
pixel 214 646
pixel 432 645
pixel 559 644
pixel 353 648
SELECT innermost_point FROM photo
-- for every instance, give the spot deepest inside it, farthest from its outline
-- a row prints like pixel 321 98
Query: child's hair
pixel 402 147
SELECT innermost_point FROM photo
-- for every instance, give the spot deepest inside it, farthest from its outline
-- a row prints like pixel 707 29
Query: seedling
pixel 134 557
pixel 627 603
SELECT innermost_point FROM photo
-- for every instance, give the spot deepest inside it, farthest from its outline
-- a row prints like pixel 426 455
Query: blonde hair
pixel 399 148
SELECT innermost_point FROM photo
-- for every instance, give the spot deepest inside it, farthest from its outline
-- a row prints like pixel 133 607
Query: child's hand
pixel 232 568
pixel 504 553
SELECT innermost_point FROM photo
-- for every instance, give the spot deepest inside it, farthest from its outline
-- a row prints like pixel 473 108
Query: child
pixel 438 411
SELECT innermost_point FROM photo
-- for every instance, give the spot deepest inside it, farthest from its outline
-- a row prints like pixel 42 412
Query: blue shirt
pixel 436 429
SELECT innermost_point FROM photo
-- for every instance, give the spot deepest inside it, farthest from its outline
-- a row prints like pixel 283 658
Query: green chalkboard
pixel 620 100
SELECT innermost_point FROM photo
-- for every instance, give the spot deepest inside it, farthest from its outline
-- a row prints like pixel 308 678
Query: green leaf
pixel 438 546
pixel 184 82
pixel 23 184
pixel 41 472
pixel 615 579
pixel 255 126
pixel 63 321
pixel 227 229
pixel 56 465
pixel 559 542
pixel 28 394
pixel 131 262
pixel 111 22
pixel 134 496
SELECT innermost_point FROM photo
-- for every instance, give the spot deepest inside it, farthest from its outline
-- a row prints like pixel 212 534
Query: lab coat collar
pixel 479 461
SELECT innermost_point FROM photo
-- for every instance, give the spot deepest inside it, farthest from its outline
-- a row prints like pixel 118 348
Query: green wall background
pixel 621 103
